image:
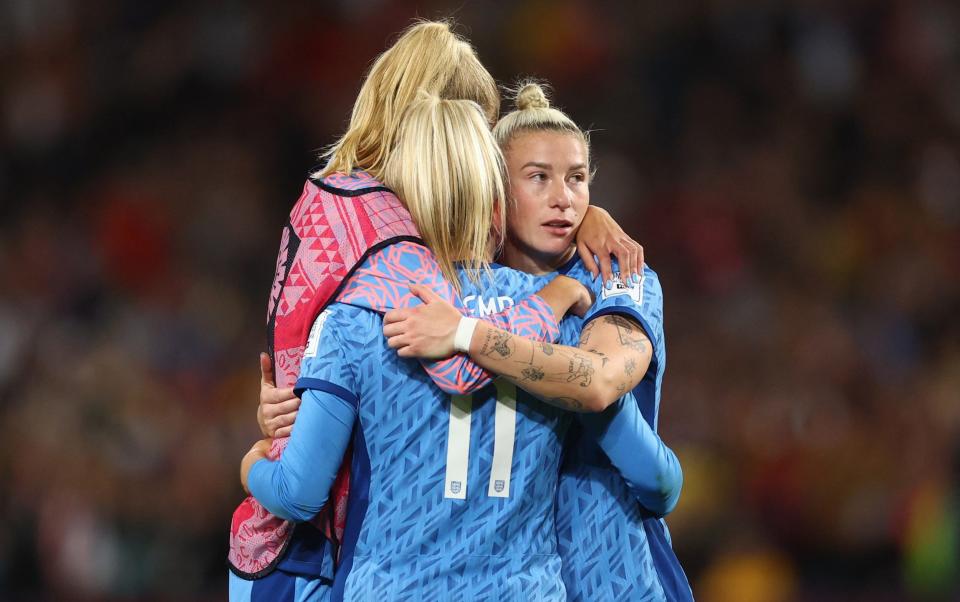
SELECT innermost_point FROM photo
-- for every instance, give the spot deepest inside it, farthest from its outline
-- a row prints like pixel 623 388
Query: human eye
pixel 578 177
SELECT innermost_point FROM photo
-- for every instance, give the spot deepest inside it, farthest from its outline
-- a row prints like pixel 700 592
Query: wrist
pixel 570 291
pixel 464 334
pixel 559 295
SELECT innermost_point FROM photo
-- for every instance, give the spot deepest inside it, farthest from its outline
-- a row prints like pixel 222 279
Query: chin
pixel 554 248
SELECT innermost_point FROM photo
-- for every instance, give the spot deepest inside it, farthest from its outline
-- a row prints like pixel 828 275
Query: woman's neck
pixel 525 259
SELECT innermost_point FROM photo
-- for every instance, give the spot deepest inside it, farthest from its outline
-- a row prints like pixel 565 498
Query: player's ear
pixel 499 225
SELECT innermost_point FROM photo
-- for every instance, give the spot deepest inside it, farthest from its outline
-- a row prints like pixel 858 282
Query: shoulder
pixel 343 323
pixel 502 280
pixel 650 282
pixel 351 192
pixel 404 252
pixel 343 313
pixel 352 184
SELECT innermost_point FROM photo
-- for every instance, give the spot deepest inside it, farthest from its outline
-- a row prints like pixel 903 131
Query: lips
pixel 558 227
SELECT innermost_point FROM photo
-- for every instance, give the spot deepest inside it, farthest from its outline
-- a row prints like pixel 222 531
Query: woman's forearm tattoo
pixel 497 344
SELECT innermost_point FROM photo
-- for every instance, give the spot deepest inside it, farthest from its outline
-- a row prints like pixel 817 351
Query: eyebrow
pixel 536 164
pixel 549 166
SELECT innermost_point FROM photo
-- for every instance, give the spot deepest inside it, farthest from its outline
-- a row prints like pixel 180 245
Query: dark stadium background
pixel 792 169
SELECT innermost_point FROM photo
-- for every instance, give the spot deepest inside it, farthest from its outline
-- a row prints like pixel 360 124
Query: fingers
pixel 272 396
pixel 606 268
pixel 396 315
pixel 266 370
pixel 406 351
pixel 586 256
pixel 272 411
pixel 278 418
pixel 393 329
pixel 286 420
pixel 283 432
pixel 635 251
pixel 426 294
pixel 397 342
pixel 262 422
pixel 633 267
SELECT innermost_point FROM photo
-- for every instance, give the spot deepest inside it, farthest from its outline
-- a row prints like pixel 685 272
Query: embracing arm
pixel 650 468
pixel 612 356
pixel 384 283
pixel 599 238
pixel 296 486
pixel 535 318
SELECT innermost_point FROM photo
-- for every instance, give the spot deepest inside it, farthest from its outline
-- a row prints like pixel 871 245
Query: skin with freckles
pixel 549 195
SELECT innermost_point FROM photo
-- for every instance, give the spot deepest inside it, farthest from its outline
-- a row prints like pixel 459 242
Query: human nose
pixel 560 196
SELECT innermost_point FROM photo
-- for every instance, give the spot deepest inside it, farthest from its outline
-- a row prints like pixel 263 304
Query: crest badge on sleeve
pixel 623 288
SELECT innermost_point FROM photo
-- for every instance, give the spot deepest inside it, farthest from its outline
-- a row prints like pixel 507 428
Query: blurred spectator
pixel 792 168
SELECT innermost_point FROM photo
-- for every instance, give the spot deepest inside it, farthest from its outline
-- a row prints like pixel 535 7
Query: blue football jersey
pixel 451 497
pixel 612 548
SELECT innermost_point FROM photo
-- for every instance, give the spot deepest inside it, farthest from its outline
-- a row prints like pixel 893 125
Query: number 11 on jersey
pixel 458 443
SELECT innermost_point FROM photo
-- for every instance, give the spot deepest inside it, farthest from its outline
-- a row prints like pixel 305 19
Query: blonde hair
pixel 449 171
pixel 534 114
pixel 427 56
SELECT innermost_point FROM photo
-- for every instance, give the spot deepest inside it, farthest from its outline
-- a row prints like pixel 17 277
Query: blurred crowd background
pixel 792 169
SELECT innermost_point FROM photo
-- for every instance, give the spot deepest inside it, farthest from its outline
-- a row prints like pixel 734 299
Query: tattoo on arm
pixel 603 356
pixel 497 344
pixel 586 332
pixel 546 348
pixel 629 335
pixel 532 373
pixel 581 370
pixel 629 365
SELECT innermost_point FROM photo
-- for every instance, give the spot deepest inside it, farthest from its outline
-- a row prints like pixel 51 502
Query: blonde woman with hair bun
pixel 610 368
pixel 412 532
pixel 377 203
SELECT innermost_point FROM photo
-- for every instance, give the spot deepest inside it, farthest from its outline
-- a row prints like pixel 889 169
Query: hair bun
pixel 531 96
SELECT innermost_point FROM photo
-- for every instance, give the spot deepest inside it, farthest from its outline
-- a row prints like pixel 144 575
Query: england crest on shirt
pixel 624 288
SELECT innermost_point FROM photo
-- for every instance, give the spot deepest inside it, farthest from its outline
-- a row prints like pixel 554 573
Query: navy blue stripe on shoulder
pixel 318 384
pixel 343 192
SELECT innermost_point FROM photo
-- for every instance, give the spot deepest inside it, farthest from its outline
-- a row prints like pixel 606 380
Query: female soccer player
pixel 346 215
pixel 613 547
pixel 618 477
pixel 419 527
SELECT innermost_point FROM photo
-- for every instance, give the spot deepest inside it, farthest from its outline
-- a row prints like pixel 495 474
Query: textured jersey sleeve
pixel 296 486
pixel 642 301
pixel 650 468
pixel 382 283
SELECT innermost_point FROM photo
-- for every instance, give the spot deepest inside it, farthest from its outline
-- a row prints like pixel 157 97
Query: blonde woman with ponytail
pixel 412 534
pixel 364 214
pixel 613 366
